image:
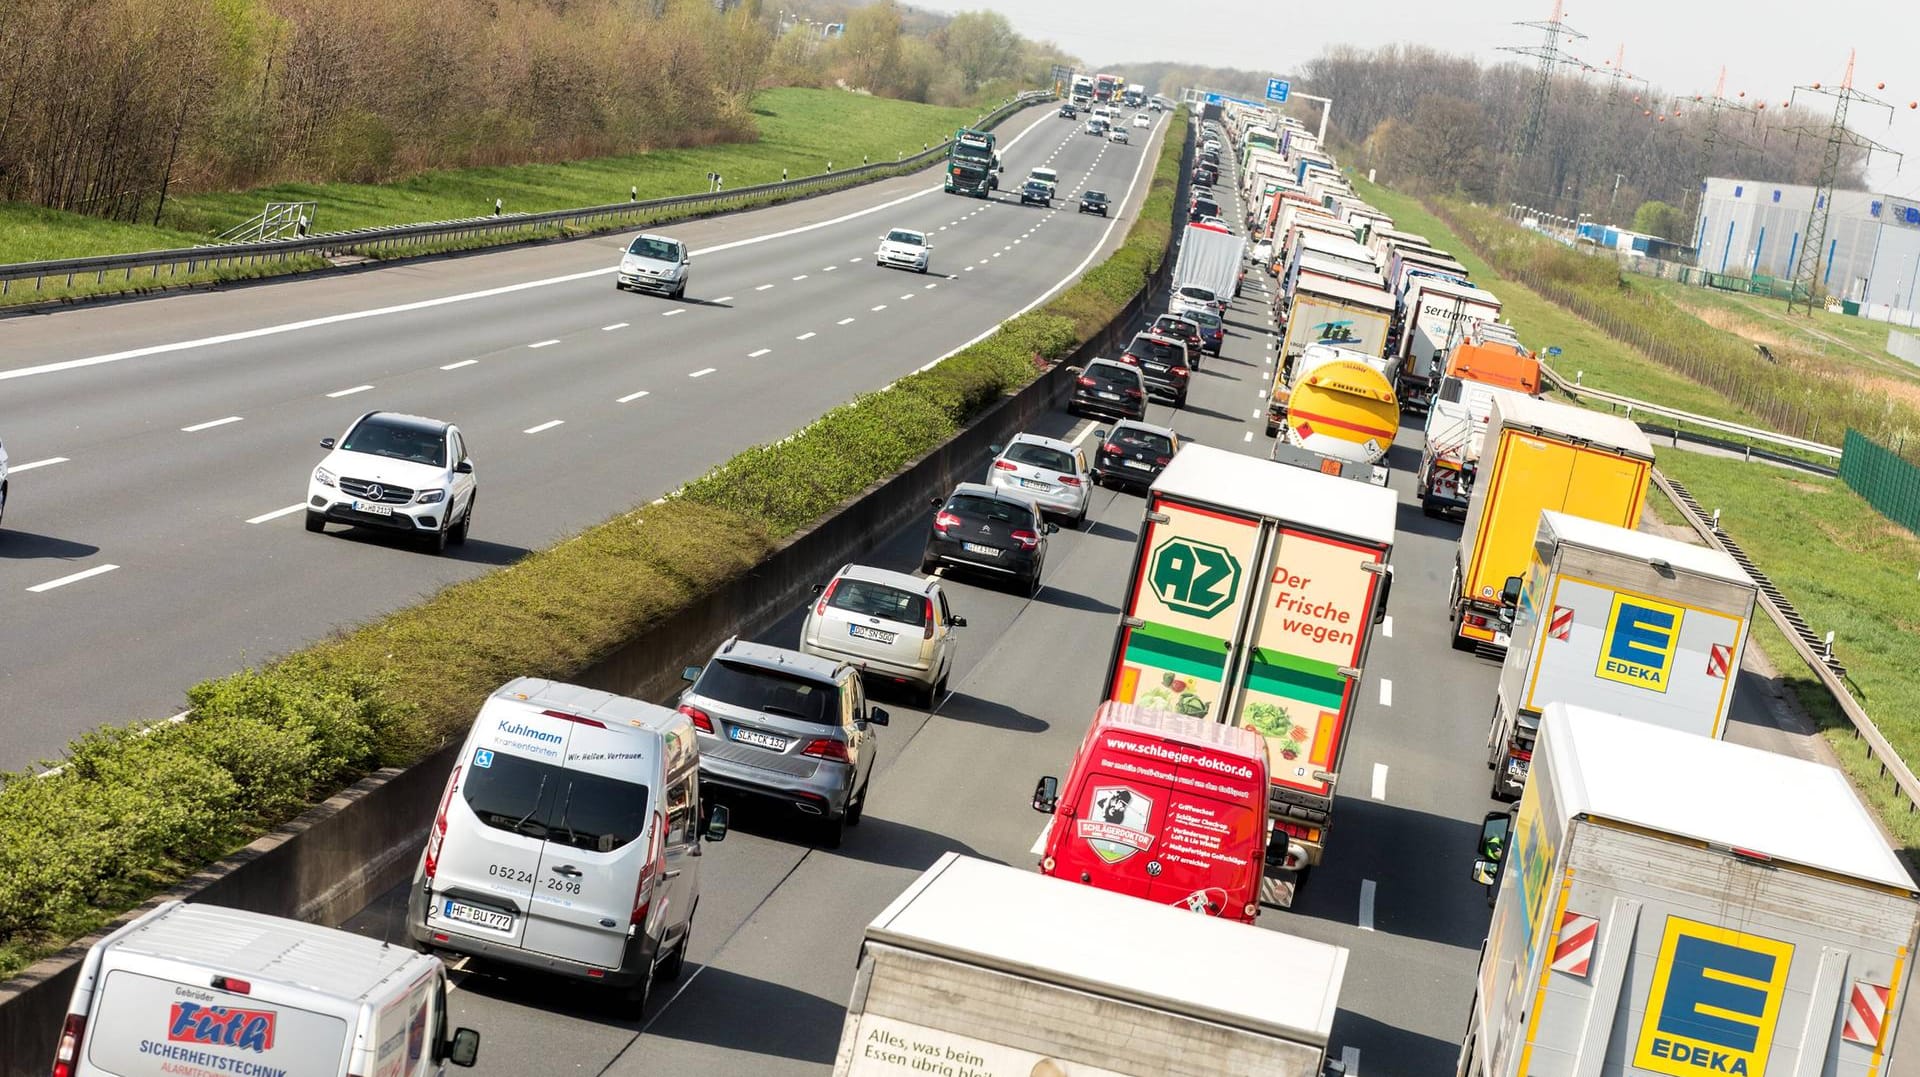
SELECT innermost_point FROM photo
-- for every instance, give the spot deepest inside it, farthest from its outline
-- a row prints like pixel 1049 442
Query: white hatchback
pixel 905 248
pixel 892 626
pixel 402 473
pixel 1053 473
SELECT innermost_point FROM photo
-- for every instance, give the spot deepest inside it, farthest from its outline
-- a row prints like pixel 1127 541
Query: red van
pixel 1162 806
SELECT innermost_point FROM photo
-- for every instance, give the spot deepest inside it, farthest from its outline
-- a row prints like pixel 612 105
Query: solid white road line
pixel 1350 1061
pixel 197 427
pixel 674 311
pixel 458 365
pixel 75 578
pixel 1386 626
pixel 616 325
pixel 350 392
pixel 703 372
pixel 543 344
pixel 1379 781
pixel 548 425
pixel 631 397
pixel 843 321
pixel 48 462
pixel 1386 692
pixel 277 513
pixel 757 354
pixel 1366 904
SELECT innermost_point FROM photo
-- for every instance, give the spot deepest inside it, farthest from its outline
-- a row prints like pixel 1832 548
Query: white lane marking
pixel 1256 415
pixel 616 325
pixel 943 228
pixel 805 336
pixel 802 276
pixel 1386 692
pixel 850 261
pixel 1379 781
pixel 909 295
pixel 350 392
pixel 277 513
pixel 631 397
pixel 48 462
pixel 1089 427
pixel 75 578
pixel 929 287
pixel 548 425
pixel 763 287
pixel 843 321
pixel 879 308
pixel 1040 843
pixel 983 261
pixel 674 311
pixel 758 353
pixel 1366 904
pixel 197 427
pixel 828 269
pixel 1386 626
pixel 724 299
pixel 996 254
pixel 703 372
pixel 969 269
pixel 458 365
pixel 1350 1061
pixel 543 343
pixel 1249 436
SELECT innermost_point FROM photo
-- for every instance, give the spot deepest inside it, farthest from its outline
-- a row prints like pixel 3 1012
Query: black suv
pixel 1105 387
pixel 997 531
pixel 1035 191
pixel 1133 454
pixel 1184 327
pixel 1203 207
pixel 1094 202
pixel 1163 363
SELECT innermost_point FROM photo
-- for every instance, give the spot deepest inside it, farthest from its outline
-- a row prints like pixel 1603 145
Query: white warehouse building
pixel 1755 228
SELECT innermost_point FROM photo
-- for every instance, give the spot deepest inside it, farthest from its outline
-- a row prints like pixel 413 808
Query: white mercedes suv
pixel 399 473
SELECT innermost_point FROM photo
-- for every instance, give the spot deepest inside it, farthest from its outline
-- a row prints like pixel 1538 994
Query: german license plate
pixel 372 509
pixel 1109 396
pixel 985 551
pixel 758 739
pixel 874 634
pixel 1036 484
pixel 469 914
pixel 1138 466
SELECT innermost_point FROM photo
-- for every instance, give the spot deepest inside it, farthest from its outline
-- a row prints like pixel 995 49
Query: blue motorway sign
pixel 1277 89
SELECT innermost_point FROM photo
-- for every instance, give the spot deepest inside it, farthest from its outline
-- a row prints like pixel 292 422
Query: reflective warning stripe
pixel 1866 1014
pixel 1719 658
pixel 1573 953
pixel 1561 626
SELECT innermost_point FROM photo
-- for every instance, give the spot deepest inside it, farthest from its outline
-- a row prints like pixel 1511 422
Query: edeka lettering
pixel 1638 645
pixel 1714 1002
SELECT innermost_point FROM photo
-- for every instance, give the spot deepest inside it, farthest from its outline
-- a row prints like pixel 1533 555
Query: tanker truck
pixel 1336 412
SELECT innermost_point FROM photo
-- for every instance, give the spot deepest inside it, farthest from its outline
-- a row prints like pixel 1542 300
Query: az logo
pixel 1638 645
pixel 1714 1003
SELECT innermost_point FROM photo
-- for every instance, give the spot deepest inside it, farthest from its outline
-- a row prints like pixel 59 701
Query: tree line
pixel 108 106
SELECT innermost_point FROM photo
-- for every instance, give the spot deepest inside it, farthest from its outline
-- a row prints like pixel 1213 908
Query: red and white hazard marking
pixel 1561 626
pixel 1719 658
pixel 1866 1014
pixel 1573 954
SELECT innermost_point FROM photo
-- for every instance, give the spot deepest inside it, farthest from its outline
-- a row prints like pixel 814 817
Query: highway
pixel 778 927
pixel 161 447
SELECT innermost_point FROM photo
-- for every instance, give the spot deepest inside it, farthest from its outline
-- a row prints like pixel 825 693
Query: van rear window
pixel 571 807
pixel 145 1026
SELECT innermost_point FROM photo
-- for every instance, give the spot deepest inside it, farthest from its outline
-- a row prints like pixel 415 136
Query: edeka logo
pixel 1192 577
pixel 1714 1003
pixel 1638 645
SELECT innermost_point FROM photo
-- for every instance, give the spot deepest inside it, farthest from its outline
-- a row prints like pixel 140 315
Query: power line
pixel 1838 138
pixel 1551 55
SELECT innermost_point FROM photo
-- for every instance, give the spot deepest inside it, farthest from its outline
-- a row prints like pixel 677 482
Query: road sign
pixel 1555 350
pixel 1277 89
pixel 1196 578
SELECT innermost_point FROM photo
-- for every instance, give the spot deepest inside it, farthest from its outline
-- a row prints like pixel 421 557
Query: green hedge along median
pixel 131 811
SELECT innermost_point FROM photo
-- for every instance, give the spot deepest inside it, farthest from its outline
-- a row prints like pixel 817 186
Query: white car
pixel 1141 119
pixel 1053 473
pixel 1263 252
pixel 890 625
pixel 402 473
pixel 1118 134
pixel 655 264
pixel 905 248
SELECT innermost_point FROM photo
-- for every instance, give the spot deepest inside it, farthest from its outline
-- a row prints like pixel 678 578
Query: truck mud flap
pixel 1278 890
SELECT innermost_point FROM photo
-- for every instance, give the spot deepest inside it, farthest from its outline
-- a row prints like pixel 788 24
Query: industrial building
pixel 1756 228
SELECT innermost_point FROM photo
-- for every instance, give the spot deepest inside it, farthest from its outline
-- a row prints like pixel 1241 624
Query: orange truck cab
pixel 1162 806
pixel 1497 363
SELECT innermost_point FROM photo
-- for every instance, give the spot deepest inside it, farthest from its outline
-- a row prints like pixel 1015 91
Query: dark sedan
pixel 1104 387
pixel 1133 454
pixel 1094 202
pixel 991 530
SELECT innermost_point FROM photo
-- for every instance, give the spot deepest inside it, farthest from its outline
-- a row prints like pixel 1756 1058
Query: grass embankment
pixel 1840 337
pixel 1842 564
pixel 131 814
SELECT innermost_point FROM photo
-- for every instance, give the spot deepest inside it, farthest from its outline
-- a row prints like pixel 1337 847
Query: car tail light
pixel 929 618
pixel 643 890
pixel 1086 381
pixel 232 985
pixel 944 520
pixel 1003 465
pixel 67 1058
pixel 1475 620
pixel 437 837
pixel 1136 393
pixel 1162 461
pixel 701 720
pixel 821 606
pixel 1250 910
pixel 564 716
pixel 1130 359
pixel 1027 539
pixel 1070 480
pixel 1110 449
pixel 1180 372
pixel 827 748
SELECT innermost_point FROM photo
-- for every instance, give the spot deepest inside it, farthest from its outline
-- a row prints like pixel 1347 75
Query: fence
pixel 1887 481
pixel 1903 346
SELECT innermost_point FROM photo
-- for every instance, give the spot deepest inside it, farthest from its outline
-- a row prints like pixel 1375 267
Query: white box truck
pixel 1620 621
pixel 1436 315
pixel 1210 257
pixel 989 971
pixel 1670 904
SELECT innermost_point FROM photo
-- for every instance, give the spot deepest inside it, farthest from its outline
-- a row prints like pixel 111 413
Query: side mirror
pixel 816 588
pixel 464 467
pixel 957 622
pixel 1076 370
pixel 1046 795
pixel 719 818
pixel 878 715
pixel 1386 593
pixel 1510 593
pixel 464 1048
pixel 326 443
pixel 995 449
pixel 1052 528
pixel 1486 872
pixel 936 502
pixel 690 674
pixel 1099 435
pixel 1494 833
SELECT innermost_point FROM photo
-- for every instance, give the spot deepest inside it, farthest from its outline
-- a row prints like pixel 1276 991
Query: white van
pixel 1047 176
pixel 206 989
pixel 569 838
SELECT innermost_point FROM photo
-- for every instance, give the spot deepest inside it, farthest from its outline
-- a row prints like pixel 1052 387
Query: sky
pixel 1677 45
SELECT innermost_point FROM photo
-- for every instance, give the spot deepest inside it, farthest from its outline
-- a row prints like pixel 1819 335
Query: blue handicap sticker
pixel 483 757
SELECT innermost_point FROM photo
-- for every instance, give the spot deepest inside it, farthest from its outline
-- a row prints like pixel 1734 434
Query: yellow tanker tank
pixel 1345 409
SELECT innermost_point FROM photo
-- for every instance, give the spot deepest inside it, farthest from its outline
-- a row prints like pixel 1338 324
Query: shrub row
pixel 133 810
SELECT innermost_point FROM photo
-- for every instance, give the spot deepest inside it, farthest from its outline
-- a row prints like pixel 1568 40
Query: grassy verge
pixel 131 814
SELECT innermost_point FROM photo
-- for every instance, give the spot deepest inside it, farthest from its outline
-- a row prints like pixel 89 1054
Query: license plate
pixel 974 547
pixel 468 914
pixel 1109 396
pixel 1138 466
pixel 758 739
pixel 372 509
pixel 1036 484
pixel 874 634
pixel 1517 770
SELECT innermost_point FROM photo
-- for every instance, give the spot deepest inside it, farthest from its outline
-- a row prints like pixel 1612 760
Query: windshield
pixel 397 441
pixel 1158 350
pixel 1045 175
pixel 901 235
pixel 878 600
pixel 1206 318
pixel 757 689
pixel 990 508
pixel 1132 437
pixel 1195 291
pixel 660 250
pixel 571 807
pixel 1040 456
pixel 1176 326
pixel 1094 196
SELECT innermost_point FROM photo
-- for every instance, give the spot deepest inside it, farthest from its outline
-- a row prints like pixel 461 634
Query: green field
pixel 801 131
pixel 1839 337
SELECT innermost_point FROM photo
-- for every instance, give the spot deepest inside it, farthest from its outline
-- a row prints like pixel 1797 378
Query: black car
pixel 1035 191
pixel 1163 363
pixel 1213 331
pixel 1202 175
pixel 1093 202
pixel 1133 454
pixel 1069 111
pixel 1105 387
pixel 1182 326
pixel 996 531
pixel 1203 207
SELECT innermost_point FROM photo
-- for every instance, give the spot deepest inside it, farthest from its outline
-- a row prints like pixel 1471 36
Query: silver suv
pixel 786 726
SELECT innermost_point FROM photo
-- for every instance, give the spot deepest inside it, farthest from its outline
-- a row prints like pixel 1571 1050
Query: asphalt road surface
pixel 162 447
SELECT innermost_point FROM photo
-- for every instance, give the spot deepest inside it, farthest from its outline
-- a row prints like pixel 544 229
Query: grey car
pixel 785 726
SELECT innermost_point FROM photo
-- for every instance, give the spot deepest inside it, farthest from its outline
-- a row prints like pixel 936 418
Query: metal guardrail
pixel 335 244
pixel 1749 433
